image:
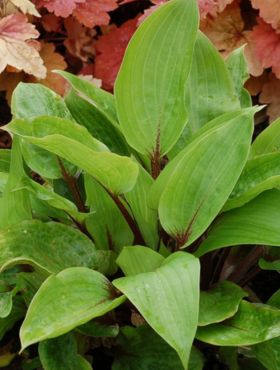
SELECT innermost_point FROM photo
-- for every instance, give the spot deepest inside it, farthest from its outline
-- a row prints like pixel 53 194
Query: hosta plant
pixel 133 226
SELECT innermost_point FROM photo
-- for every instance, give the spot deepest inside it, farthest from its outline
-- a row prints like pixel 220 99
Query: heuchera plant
pixel 131 225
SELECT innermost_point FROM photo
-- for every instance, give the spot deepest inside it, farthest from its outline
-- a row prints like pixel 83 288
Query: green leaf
pixel 260 173
pixel 61 353
pixel 142 349
pixel 105 223
pixel 103 100
pixel 268 352
pixel 145 217
pixel 203 178
pixel 268 140
pixel 219 303
pixel 5 160
pixel 97 123
pixel 6 304
pixel 229 357
pixel 258 222
pixel 116 173
pixel 150 87
pixel 137 259
pixel 29 282
pixel 66 300
pixel 33 100
pixel 51 246
pixel 238 69
pixel 168 299
pixel 210 91
pixel 253 323
pixel 17 313
pixel 15 203
pixel 269 265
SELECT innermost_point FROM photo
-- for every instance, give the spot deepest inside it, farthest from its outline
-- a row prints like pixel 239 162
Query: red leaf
pixel 110 50
pixel 212 7
pixel 95 12
pixel 265 42
pixel 271 95
pixel 269 11
pixel 61 8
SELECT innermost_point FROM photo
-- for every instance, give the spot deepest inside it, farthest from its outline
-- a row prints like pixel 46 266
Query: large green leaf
pixel 219 303
pixel 145 217
pixel 253 323
pixel 238 69
pixel 15 203
pixel 260 173
pixel 268 140
pixel 268 352
pixel 103 100
pixel 33 100
pixel 97 124
pixel 210 91
pixel 66 300
pixel 116 173
pixel 168 299
pixel 150 87
pixel 137 259
pixel 51 246
pixel 61 353
pixel 203 178
pixel 105 223
pixel 258 222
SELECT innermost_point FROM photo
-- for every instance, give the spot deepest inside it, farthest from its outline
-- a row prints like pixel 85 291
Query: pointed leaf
pixel 150 87
pixel 137 259
pixel 168 300
pixel 6 304
pixel 204 178
pixel 116 173
pixel 219 303
pixel 51 246
pixel 260 173
pixel 17 313
pixel 253 323
pixel 97 123
pixel 258 222
pixel 65 301
pixel 210 91
pixel 268 140
pixel 103 100
pixel 238 69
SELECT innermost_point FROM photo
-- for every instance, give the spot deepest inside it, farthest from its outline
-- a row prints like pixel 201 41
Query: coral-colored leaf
pixel 212 7
pixel 15 50
pixel 226 30
pixel 271 95
pixel 265 42
pixel 269 11
pixel 94 12
pixel 61 8
pixel 52 61
pixel 51 23
pixel 110 50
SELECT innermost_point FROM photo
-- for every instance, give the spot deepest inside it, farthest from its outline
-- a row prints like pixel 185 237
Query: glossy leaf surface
pixel 65 301
pixel 219 303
